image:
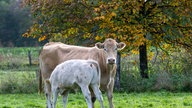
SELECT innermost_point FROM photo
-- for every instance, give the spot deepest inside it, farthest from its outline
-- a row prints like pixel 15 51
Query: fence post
pixel 29 56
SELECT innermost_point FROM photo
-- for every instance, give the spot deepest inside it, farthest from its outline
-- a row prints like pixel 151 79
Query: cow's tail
pixel 40 82
pixel 40 76
pixel 48 84
pixel 98 73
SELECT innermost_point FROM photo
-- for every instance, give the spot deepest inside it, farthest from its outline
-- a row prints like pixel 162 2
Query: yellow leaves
pixel 87 35
pixel 97 9
pixel 174 3
pixel 134 11
pixel 97 38
pixel 166 46
pixel 139 40
pixel 163 56
pixel 72 31
pixel 42 38
pixel 135 52
pixel 113 14
pixel 127 42
pixel 116 7
pixel 26 35
pixel 67 1
pixel 99 18
pixel 150 55
pixel 134 62
pixel 106 18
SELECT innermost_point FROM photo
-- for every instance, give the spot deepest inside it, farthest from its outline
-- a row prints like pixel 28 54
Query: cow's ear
pixel 121 45
pixel 99 45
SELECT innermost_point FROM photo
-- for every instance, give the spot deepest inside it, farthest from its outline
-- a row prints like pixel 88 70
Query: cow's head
pixel 110 47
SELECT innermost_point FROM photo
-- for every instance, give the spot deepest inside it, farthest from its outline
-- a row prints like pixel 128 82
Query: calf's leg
pixel 55 95
pixel 93 98
pixel 98 94
pixel 65 96
pixel 87 95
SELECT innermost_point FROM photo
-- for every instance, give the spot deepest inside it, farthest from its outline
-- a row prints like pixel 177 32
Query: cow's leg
pixel 65 96
pixel 98 94
pixel 110 93
pixel 87 95
pixel 55 92
pixel 48 93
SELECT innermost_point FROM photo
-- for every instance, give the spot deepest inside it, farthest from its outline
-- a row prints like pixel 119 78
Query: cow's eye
pixel 115 49
pixel 105 49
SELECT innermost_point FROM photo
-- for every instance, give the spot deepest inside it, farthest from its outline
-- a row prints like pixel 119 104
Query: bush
pixel 18 82
pixel 171 73
pixel 156 82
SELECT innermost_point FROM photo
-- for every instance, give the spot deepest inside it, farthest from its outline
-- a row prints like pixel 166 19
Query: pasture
pixel 121 100
pixel 169 85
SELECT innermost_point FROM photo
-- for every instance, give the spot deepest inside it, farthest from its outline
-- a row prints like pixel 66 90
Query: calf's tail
pixel 98 70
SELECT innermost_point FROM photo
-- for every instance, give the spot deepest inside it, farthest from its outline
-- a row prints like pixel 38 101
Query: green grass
pixel 121 100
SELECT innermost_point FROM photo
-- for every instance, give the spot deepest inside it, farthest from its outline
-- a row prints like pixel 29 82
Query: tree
pixel 150 23
pixel 61 20
pixel 140 24
pixel 14 21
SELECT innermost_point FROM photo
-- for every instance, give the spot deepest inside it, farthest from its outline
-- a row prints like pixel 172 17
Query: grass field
pixel 121 100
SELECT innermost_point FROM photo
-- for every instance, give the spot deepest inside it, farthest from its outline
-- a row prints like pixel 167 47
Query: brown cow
pixel 105 54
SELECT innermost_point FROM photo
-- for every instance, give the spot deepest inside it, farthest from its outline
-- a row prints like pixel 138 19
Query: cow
pixel 69 74
pixel 105 53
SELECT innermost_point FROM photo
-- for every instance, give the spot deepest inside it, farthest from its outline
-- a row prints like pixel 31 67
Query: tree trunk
pixel 117 78
pixel 143 61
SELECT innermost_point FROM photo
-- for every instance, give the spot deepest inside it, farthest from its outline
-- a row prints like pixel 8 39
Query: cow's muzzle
pixel 111 61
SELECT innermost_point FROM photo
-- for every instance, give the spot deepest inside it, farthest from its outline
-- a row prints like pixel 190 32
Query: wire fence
pixel 19 69
pixel 18 58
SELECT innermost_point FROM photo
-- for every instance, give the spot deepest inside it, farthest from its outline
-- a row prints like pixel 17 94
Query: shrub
pixel 156 82
pixel 18 82
pixel 171 73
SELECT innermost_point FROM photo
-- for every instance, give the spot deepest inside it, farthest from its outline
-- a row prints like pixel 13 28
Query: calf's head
pixel 110 47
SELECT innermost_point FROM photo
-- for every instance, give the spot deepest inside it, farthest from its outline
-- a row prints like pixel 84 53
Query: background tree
pixel 14 21
pixel 147 23
pixel 140 24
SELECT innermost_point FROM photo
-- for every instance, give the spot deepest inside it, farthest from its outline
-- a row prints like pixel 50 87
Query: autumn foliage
pixel 164 24
pixel 155 22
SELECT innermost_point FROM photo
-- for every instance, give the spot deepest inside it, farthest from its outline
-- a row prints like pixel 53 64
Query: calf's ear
pixel 121 45
pixel 99 45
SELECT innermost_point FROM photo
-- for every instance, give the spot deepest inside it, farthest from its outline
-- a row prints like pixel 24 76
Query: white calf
pixel 71 73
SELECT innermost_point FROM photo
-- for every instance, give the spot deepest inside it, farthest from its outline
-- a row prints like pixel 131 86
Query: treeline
pixel 14 21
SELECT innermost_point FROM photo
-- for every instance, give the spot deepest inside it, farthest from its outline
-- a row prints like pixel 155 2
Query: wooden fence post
pixel 29 56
